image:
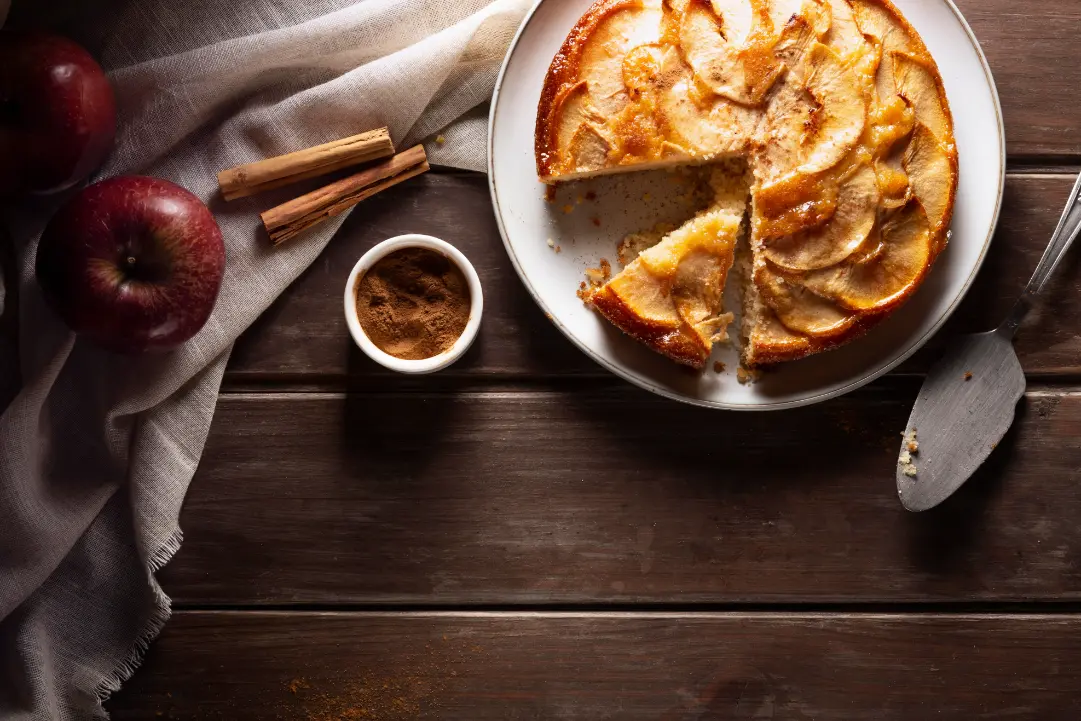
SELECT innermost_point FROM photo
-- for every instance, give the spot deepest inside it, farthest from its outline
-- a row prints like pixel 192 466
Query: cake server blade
pixel 964 409
pixel 970 397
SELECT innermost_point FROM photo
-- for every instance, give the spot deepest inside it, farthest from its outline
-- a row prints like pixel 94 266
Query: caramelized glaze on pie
pixel 840 114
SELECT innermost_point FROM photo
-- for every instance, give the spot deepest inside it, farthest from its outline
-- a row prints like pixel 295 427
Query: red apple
pixel 57 113
pixel 132 263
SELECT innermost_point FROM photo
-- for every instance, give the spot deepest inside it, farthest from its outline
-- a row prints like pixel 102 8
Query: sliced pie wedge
pixel 670 297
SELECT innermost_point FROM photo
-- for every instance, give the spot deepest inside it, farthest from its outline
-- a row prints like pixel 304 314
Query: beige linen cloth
pixel 97 450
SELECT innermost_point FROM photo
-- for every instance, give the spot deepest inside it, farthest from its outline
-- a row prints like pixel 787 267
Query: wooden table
pixel 527 537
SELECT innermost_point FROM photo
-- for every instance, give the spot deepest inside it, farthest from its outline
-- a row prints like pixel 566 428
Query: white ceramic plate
pixel 632 202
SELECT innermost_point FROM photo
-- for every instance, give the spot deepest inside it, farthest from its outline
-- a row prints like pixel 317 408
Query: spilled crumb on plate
pixel 596 278
pixel 747 377
pixel 600 275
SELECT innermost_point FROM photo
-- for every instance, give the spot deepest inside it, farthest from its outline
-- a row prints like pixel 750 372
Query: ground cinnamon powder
pixel 414 303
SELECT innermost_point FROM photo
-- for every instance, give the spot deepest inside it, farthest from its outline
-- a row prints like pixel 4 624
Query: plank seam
pixel 879 393
pixel 646 615
pixel 990 608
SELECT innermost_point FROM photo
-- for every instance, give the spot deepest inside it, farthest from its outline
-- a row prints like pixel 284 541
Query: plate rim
pixel 848 387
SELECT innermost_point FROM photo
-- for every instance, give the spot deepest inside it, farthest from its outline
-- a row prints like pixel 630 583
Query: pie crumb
pixel 597 277
pixel 439 140
pixel 968 376
pixel 910 470
pixel 551 243
pixel 718 367
pixel 746 377
pixel 568 209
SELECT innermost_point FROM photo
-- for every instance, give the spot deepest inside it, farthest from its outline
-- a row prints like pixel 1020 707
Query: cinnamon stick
pixel 290 219
pixel 276 172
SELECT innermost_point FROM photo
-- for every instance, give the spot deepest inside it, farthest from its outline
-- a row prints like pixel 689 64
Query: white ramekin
pixel 426 365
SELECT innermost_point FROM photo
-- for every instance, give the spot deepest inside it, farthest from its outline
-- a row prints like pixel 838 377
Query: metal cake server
pixel 968 401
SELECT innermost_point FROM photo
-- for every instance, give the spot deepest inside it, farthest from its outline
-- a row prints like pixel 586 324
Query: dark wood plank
pixel 672 667
pixel 304 335
pixel 1029 46
pixel 615 497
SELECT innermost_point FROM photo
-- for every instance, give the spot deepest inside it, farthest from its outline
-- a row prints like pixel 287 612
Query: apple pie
pixel 834 167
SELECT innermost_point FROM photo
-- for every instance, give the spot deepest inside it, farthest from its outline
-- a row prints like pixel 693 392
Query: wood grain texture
pixel 666 667
pixel 304 332
pixel 613 496
pixel 1031 47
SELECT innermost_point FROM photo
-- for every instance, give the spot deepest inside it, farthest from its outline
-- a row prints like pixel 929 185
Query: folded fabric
pixel 97 450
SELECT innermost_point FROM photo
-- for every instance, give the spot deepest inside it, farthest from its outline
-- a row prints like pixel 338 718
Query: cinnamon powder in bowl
pixel 413 304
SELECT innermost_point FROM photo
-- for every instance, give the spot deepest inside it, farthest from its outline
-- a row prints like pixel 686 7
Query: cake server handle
pixel 1069 226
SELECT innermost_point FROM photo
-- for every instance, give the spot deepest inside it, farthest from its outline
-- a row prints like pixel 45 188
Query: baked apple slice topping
pixel 888 268
pixel 853 217
pixel 729 45
pixel 798 308
pixel 931 168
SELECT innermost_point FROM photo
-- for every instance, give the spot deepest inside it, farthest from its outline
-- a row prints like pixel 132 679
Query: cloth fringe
pixel 159 616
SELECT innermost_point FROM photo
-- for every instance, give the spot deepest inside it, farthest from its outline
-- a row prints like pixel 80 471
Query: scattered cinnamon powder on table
pixel 413 683
pixel 414 303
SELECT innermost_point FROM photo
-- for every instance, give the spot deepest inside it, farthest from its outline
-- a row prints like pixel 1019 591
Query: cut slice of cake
pixel 671 296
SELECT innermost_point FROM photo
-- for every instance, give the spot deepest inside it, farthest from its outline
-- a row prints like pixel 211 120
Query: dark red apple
pixel 133 263
pixel 57 113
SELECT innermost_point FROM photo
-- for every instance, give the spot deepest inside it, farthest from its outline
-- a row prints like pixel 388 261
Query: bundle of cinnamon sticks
pixel 292 218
